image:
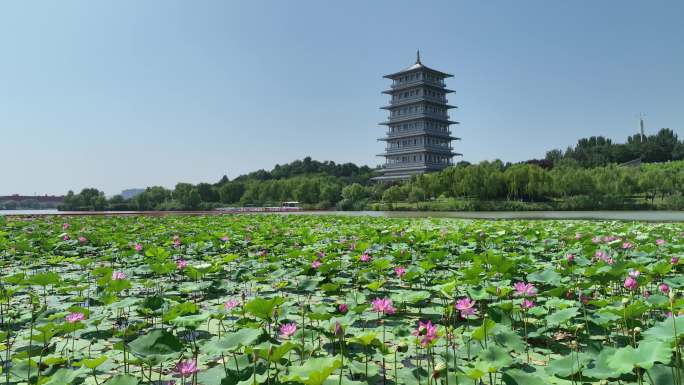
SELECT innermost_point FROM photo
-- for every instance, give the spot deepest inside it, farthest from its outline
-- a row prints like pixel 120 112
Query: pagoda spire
pixel 418 57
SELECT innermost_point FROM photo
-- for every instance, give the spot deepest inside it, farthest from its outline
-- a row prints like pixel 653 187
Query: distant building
pixel 131 192
pixel 418 138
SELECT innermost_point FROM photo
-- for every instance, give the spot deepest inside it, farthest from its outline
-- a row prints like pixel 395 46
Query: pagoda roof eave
pixel 388 122
pixel 448 106
pixel 417 84
pixel 415 68
pixel 420 150
pixel 419 133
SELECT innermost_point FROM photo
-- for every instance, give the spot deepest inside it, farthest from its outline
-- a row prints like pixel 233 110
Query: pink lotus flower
pixel 524 289
pixel 674 260
pixel 287 330
pixel 343 308
pixel 138 247
pixel 399 271
pixel 118 275
pixel 646 294
pixel 626 245
pixel 427 331
pixel 364 257
pixel 383 305
pixel 631 283
pixel 527 304
pixel 225 238
pixel 74 317
pixel 660 242
pixel 578 235
pixel 176 241
pixel 181 264
pixel 316 264
pixel 82 239
pixel 664 288
pixel 231 304
pixel 570 258
pixel 584 299
pixel 186 368
pixel 65 238
pixel 65 226
pixel 465 306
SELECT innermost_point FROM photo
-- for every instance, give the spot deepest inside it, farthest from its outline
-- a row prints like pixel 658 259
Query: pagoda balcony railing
pixel 416 164
pixel 439 83
pixel 416 132
pixel 419 115
pixel 418 147
pixel 418 98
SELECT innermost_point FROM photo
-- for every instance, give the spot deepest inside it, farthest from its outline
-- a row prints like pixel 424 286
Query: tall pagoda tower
pixel 418 138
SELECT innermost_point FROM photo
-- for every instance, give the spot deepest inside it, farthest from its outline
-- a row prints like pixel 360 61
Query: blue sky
pixel 124 94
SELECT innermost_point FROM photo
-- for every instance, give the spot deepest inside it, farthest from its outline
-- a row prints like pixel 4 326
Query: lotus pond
pixel 269 299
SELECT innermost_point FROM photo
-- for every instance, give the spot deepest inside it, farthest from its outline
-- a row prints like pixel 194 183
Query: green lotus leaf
pixel 263 308
pixel 481 331
pixel 63 377
pixel 568 365
pixel 314 371
pixel 520 377
pixel 156 346
pixel 232 341
pixel 665 330
pixel 562 316
pixel 94 362
pixel 495 358
pixel 44 279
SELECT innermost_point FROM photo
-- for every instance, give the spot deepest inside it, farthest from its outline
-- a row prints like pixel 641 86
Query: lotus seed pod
pixel 625 301
pixel 637 330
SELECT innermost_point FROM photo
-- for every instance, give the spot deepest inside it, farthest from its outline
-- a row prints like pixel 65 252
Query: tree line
pixel 585 176
pixel 664 146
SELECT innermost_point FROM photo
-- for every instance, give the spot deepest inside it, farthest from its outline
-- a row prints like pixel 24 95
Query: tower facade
pixel 418 137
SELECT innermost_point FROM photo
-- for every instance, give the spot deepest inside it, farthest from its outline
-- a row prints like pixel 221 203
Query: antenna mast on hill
pixel 641 126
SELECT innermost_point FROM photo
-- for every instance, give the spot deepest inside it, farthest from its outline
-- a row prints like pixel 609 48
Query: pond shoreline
pixel 632 215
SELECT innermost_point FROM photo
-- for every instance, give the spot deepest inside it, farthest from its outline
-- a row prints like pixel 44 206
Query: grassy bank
pixel 573 203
